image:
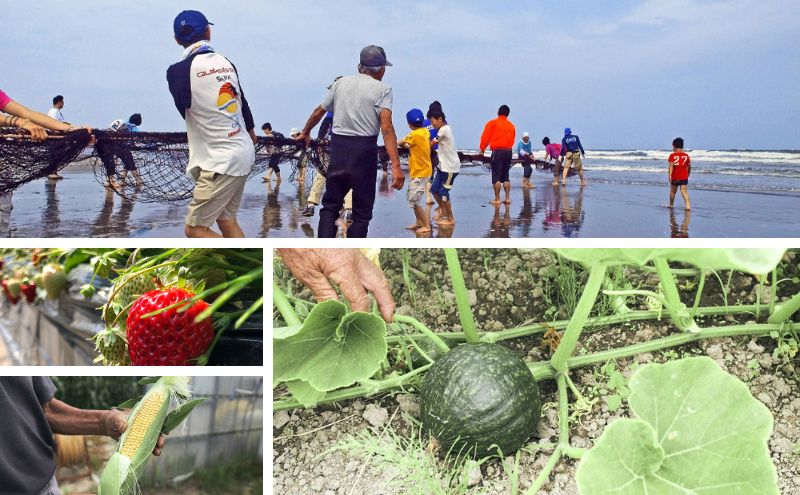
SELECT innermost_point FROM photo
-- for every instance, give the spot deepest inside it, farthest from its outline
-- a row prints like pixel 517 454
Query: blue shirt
pixel 433 132
pixel 523 146
pixel 571 142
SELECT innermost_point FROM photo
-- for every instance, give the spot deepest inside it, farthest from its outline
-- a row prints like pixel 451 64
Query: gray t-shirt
pixel 26 441
pixel 356 102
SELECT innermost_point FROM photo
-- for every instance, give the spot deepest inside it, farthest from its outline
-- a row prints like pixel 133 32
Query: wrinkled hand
pixel 398 177
pixel 304 137
pixel 350 270
pixel 116 422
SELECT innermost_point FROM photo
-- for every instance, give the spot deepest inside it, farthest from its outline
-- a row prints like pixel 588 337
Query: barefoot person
pixel 109 152
pixel 552 151
pixel 572 151
pixel 419 168
pixel 273 165
pixel 55 114
pixel 525 153
pixel 499 135
pixel 362 107
pixel 219 127
pixel 31 415
pixel 449 166
pixel 680 166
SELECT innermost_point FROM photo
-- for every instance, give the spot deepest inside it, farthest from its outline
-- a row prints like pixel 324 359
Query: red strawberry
pixel 169 338
pixel 29 291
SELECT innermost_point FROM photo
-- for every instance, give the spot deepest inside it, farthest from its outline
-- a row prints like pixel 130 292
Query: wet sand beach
pixel 79 207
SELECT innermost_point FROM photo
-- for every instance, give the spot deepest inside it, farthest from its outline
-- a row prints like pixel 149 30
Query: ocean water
pixel 775 172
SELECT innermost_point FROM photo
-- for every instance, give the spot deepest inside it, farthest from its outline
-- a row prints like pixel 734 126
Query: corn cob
pixel 145 424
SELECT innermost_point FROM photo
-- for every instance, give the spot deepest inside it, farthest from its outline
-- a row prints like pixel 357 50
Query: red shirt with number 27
pixel 680 162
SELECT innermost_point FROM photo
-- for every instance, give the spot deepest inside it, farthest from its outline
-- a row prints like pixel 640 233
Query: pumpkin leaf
pixel 304 393
pixel 699 431
pixel 760 260
pixel 332 349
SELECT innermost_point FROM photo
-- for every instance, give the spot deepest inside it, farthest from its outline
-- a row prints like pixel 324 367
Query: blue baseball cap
pixel 373 56
pixel 567 131
pixel 415 116
pixel 189 24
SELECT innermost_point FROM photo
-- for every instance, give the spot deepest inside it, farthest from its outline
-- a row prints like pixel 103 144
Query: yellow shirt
pixel 419 160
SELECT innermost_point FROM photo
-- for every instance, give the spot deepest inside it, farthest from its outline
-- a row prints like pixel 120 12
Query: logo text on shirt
pixel 211 72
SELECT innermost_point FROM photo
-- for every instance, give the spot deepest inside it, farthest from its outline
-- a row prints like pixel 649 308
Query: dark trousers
pixel 527 166
pixel 354 165
pixel 109 153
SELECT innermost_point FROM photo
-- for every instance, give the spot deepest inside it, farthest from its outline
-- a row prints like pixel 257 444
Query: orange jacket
pixel 498 133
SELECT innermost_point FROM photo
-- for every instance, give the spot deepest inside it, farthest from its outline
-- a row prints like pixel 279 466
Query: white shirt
pixel 448 156
pixel 55 113
pixel 215 128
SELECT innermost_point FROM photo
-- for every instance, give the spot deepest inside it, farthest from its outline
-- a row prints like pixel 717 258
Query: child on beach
pixel 447 171
pixel 419 167
pixel 552 151
pixel 680 166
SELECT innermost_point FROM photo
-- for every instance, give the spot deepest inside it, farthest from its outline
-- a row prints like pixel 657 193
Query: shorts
pixel 501 165
pixel 216 197
pixel 679 182
pixel 573 160
pixel 416 191
pixel 442 183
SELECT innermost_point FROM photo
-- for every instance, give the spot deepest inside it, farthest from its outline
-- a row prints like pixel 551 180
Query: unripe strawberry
pixel 14 288
pixel 130 291
pixel 54 280
pixel 170 338
pixel 111 348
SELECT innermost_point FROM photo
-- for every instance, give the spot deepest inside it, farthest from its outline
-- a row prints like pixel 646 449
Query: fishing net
pixel 477 159
pixel 151 167
pixel 147 166
pixel 23 160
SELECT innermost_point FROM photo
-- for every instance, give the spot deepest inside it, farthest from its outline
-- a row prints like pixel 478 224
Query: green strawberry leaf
pixel 304 393
pixel 761 260
pixel 699 431
pixel 332 349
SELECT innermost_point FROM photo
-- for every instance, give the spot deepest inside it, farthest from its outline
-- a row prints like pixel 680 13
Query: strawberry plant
pixel 159 306
pixel 679 431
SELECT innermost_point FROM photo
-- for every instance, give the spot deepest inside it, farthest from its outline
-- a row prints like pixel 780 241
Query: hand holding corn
pixel 150 419
pixel 116 423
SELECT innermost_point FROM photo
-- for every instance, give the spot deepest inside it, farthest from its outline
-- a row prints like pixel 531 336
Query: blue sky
pixel 623 74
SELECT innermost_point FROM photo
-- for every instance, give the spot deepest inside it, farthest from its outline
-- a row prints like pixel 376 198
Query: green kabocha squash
pixel 479 397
